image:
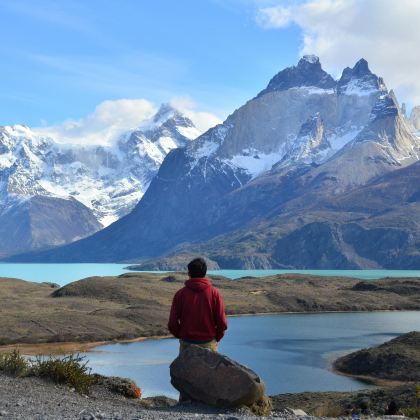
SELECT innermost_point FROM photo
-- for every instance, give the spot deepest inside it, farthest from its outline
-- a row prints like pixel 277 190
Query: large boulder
pixel 214 379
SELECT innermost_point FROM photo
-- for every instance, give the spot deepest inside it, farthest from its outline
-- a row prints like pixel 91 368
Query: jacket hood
pixel 198 284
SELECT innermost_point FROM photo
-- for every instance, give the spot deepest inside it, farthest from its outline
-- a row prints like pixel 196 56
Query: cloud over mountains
pixel 341 31
pixel 112 118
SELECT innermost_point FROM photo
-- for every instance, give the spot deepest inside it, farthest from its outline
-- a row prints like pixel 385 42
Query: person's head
pixel 197 268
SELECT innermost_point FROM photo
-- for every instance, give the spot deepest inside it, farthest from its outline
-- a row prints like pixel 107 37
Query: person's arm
pixel 173 323
pixel 219 315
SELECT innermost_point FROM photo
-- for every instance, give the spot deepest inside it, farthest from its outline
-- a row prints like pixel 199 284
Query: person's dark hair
pixel 197 268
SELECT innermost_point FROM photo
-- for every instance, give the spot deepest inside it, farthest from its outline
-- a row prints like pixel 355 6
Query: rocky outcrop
pixel 359 80
pixel 398 359
pixel 214 379
pixel 308 72
pixel 339 404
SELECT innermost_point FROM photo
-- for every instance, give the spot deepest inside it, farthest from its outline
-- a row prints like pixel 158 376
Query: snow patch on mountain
pixel 339 139
pixel 355 87
pixel 254 162
pixel 314 90
pixel 311 58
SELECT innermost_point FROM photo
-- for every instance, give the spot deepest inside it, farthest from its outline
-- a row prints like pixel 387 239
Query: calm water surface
pixel 66 273
pixel 291 352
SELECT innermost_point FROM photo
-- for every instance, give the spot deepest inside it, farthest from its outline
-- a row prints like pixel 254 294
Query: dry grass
pixel 328 410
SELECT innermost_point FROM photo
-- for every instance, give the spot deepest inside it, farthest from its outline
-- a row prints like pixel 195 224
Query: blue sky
pixel 77 65
pixel 62 58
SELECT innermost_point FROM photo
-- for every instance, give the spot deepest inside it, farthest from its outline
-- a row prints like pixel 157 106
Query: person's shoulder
pixel 181 291
pixel 215 290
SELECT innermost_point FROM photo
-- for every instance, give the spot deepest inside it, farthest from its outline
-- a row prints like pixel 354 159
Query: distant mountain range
pixel 52 194
pixel 311 173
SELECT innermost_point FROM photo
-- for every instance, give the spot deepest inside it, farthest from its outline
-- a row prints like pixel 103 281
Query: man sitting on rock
pixel 197 313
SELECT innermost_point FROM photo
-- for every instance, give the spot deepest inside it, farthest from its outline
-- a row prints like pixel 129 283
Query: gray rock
pixel 87 415
pixel 215 379
pixel 296 412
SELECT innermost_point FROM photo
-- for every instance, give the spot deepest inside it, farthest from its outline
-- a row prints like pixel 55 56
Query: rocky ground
pixel 363 402
pixel 33 398
pixel 137 304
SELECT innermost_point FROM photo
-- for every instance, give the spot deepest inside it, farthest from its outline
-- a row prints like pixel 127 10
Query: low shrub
pixel 71 370
pixel 262 407
pixel 122 386
pixel 14 363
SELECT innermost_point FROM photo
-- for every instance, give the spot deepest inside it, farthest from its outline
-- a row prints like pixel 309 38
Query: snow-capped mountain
pixel 275 169
pixel 108 181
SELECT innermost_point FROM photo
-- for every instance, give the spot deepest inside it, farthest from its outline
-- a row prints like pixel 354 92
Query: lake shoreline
pixel 55 348
pixel 135 306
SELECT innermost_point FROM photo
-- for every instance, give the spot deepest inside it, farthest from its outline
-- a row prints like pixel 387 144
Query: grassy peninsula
pixel 136 305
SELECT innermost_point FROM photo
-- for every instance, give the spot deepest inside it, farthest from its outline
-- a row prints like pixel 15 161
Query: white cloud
pixel 202 120
pixel 110 119
pixel 274 17
pixel 384 32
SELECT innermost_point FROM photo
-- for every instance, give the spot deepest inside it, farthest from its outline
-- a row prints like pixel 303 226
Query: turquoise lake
pixel 291 352
pixel 66 273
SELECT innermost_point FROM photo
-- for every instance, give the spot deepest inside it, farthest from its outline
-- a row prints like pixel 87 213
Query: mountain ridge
pixel 234 178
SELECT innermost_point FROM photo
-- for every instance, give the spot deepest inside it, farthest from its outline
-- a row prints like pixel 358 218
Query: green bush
pixel 71 370
pixel 14 364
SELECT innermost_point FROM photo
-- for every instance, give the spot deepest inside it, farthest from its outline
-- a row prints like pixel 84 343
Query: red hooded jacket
pixel 197 312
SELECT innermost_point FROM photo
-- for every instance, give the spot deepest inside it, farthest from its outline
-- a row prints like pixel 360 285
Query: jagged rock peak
pixel 308 72
pixel 309 58
pixel 415 117
pixel 309 145
pixel 361 68
pixel 313 133
pixel 165 112
pixel 170 117
pixel 359 80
